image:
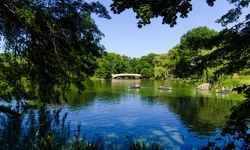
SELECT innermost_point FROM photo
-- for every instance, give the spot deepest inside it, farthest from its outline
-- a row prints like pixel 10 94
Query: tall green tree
pixel 193 45
pixel 145 65
pixel 166 64
pixel 173 59
pixel 196 39
pixel 110 63
pixel 130 64
pixel 54 44
pixel 160 69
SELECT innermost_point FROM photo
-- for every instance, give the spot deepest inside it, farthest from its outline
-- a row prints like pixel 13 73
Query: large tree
pixel 167 64
pixel 193 45
pixel 145 65
pixel 52 44
pixel 173 59
pixel 160 68
pixel 109 63
pixel 130 64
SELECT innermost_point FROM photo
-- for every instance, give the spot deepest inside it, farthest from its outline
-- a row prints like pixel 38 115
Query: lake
pixel 181 118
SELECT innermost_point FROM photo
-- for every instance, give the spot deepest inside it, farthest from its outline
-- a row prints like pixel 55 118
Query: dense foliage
pixel 146 10
pixel 49 45
pixel 111 63
pixel 237 124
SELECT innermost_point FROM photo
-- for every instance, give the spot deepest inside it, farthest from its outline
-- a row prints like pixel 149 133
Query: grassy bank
pixel 233 82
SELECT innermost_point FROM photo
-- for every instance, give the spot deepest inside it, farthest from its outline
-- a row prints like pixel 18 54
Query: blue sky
pixel 123 37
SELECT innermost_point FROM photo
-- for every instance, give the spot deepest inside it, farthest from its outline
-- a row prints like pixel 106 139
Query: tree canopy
pixel 108 64
pixel 169 10
pixel 53 44
pixel 146 10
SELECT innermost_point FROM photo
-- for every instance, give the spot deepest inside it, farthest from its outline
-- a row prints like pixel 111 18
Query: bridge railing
pixel 125 74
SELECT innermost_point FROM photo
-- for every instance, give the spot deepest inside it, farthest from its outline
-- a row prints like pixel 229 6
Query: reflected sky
pixel 182 118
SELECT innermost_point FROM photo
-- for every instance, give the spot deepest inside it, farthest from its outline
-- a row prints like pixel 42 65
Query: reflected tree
pixel 43 129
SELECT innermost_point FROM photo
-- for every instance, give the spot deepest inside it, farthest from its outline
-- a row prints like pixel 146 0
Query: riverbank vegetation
pixel 50 46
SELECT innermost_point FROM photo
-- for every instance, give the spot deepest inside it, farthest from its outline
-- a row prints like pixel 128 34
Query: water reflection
pixel 180 118
pixel 76 99
pixel 32 127
pixel 205 93
pixel 165 91
pixel 199 112
pixel 134 90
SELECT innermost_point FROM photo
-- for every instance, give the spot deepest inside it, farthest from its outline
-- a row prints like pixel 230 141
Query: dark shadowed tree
pixel 147 10
pixel 51 45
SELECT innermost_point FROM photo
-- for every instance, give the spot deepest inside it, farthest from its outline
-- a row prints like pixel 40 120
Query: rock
pixel 204 86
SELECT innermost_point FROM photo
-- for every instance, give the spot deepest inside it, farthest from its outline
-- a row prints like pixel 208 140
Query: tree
pixel 110 63
pixel 146 10
pixel 166 64
pixel 193 45
pixel 233 48
pixel 160 69
pixel 54 44
pixel 197 39
pixel 173 59
pixel 232 45
pixel 130 64
pixel 235 39
pixel 145 65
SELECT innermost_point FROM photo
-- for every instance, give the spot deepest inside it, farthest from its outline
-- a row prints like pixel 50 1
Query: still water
pixel 179 118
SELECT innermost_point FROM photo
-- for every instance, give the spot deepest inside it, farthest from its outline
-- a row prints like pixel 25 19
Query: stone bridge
pixel 126 74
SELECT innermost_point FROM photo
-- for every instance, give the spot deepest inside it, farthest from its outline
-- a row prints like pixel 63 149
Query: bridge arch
pixel 126 74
